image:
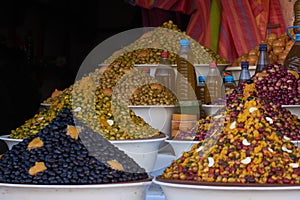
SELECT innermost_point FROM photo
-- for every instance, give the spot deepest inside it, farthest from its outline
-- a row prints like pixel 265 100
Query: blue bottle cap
pixel 297 39
pixel 245 64
pixel 229 79
pixel 263 47
pixel 201 78
pixel 184 42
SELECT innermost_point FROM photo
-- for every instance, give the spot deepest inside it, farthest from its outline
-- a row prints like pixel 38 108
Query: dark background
pixel 44 42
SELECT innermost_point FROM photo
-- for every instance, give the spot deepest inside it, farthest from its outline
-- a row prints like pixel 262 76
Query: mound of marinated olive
pixel 67 152
pixel 251 146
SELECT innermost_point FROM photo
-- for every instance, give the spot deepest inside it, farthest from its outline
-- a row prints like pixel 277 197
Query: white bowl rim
pixel 213 105
pixel 152 106
pixel 238 68
pixel 240 188
pixel 290 106
pixel 182 141
pixel 158 139
pixel 6 138
pixel 174 65
pixel 91 186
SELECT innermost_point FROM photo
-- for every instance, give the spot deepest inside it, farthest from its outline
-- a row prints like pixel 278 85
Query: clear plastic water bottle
pixel 214 83
pixel 186 77
pixel 263 58
pixel 229 83
pixel 245 74
pixel 164 72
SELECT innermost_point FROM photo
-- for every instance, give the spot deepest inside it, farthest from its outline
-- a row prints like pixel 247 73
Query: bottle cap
pixel 263 47
pixel 201 78
pixel 212 64
pixel 245 64
pixel 164 54
pixel 184 42
pixel 297 39
pixel 229 79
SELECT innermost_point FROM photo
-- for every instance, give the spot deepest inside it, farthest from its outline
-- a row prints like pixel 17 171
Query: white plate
pixel 294 109
pixel 201 69
pixel 132 191
pixel 142 151
pixel 211 109
pixel 180 146
pixel 45 104
pixel 175 191
pixel 10 142
pixel 157 116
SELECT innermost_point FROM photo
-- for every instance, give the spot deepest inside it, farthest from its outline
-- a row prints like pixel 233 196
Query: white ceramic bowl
pixel 142 151
pixel 174 191
pixel 211 109
pixel 236 70
pixel 180 146
pixel 294 109
pixel 201 69
pixel 157 116
pixel 10 142
pixel 162 161
pixel 125 191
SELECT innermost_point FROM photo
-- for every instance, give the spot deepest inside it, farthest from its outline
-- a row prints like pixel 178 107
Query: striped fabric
pixel 229 27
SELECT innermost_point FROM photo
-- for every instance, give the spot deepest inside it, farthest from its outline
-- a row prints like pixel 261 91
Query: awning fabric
pixel 229 27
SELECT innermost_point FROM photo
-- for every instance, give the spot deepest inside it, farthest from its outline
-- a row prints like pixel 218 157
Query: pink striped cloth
pixel 243 23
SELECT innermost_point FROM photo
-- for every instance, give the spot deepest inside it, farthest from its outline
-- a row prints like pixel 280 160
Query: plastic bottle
pixel 292 60
pixel 186 77
pixel 164 72
pixel 214 83
pixel 201 87
pixel 263 58
pixel 229 83
pixel 245 74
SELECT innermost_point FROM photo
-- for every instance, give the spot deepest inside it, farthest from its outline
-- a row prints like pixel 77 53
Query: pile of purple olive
pixel 279 85
pixel 67 152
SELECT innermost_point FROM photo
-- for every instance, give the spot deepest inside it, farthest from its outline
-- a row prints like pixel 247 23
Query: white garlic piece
pixel 270 120
pixel 77 109
pixel 246 160
pixel 110 122
pixel 41 118
pixel 286 150
pixel 200 149
pixel 233 125
pixel 286 138
pixel 211 161
pixel 252 109
pixel 271 150
pixel 245 142
pixel 294 165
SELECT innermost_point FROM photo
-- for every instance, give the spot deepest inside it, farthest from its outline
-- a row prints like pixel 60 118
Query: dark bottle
pixel 164 72
pixel 292 60
pixel 186 77
pixel 245 74
pixel 229 83
pixel 263 58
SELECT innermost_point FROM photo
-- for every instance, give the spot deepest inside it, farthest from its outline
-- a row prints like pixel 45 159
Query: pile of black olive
pixel 57 157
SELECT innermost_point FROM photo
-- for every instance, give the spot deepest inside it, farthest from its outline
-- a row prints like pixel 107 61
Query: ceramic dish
pixel 142 151
pixel 294 109
pixel 174 191
pixel 151 114
pixel 211 109
pixel 10 142
pixel 121 191
pixel 180 146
